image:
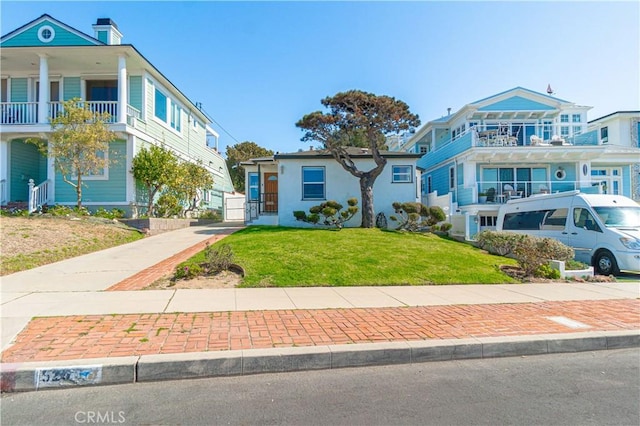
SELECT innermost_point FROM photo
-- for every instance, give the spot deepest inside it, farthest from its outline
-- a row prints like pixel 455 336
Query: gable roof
pixel 77 43
pixel 27 35
pixel 352 151
pixel 516 89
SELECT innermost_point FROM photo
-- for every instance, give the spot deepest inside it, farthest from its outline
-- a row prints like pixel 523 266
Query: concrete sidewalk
pixel 226 329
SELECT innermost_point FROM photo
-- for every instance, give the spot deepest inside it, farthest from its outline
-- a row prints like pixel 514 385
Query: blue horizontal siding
pixel 19 91
pixel 26 163
pixel 71 88
pixel 112 190
pixel 447 152
pixel 516 103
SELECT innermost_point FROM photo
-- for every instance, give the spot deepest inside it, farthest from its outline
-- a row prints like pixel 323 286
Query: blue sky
pixel 258 67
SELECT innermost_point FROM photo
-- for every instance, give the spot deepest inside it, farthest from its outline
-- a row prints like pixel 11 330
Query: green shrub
pixel 329 213
pixel 187 270
pixel 574 265
pixel 546 271
pixel 532 252
pixel 446 227
pixel 218 259
pixel 500 243
pixel 211 214
pixel 59 210
pixel 14 212
pixel 414 217
pixel 114 213
pixel 168 205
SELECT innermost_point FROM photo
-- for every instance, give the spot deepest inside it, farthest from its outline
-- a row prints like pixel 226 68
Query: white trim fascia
pixel 210 129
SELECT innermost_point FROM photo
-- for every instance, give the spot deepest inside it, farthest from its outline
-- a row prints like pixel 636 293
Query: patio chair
pixel 535 140
pixel 512 194
pixel 491 195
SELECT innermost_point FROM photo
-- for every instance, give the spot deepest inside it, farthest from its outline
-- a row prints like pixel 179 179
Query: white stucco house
pixel 279 185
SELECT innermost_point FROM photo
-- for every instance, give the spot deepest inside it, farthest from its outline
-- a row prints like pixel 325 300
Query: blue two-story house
pixel 46 62
pixel 520 143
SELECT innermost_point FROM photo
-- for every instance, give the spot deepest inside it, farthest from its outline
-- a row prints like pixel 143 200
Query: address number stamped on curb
pixel 71 376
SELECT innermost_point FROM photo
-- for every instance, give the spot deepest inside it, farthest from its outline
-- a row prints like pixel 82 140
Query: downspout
pixel 259 191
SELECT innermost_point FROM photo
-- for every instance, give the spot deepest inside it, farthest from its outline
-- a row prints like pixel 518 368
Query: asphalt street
pixel 598 388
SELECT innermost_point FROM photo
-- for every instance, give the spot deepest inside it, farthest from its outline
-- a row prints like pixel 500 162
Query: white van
pixel 604 230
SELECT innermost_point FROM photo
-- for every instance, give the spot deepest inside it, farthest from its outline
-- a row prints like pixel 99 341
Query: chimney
pixel 107 31
pixel 448 111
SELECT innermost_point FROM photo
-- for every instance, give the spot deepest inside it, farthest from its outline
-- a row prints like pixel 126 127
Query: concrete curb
pixel 33 376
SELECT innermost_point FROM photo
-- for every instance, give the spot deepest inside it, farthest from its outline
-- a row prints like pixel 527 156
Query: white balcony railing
pixel 110 107
pixel 18 112
pixel 27 112
pixel 501 192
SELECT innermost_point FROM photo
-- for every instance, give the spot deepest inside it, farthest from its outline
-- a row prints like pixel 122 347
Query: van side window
pixel 582 218
pixel 555 220
pixel 523 220
pixel 545 220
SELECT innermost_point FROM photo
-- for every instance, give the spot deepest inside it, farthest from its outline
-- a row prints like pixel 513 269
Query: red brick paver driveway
pixel 57 338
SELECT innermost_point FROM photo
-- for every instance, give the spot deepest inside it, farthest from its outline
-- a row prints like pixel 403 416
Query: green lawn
pixel 288 257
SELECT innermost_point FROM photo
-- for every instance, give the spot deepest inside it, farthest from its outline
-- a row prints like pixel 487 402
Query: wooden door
pixel 271 192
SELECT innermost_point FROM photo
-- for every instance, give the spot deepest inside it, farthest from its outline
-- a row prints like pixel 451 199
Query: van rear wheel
pixel 606 263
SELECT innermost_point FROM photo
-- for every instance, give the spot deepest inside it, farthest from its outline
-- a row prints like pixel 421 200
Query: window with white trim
pixel 167 110
pixel 160 103
pixel 576 118
pixel 254 186
pixel 564 118
pixel 604 134
pixel 46 33
pixel 313 183
pixel 176 116
pixel 402 174
pixel 452 178
pixel 100 174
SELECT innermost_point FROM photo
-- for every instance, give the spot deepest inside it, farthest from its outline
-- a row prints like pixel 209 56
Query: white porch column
pixel 43 93
pixel 122 89
pixel 4 172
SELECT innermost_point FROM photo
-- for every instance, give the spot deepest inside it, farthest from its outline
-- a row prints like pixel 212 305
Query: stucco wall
pixel 340 186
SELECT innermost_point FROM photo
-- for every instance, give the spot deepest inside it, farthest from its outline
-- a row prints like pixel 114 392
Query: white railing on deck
pixel 27 112
pixel 133 115
pixel 110 107
pixel 18 112
pixel 38 195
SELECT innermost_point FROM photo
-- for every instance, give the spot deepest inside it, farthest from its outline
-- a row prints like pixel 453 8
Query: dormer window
pixel 46 33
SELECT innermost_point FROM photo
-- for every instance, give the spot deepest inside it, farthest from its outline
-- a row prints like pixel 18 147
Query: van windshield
pixel 619 217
